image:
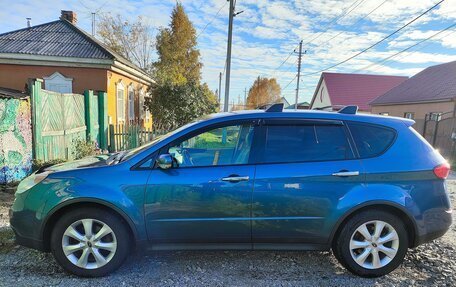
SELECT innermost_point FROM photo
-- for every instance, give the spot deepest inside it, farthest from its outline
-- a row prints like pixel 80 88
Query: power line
pixel 406 49
pixel 210 22
pixel 378 42
pixel 290 82
pixel 357 22
pixel 334 21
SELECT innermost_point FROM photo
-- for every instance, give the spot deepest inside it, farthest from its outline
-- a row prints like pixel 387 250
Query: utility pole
pixel 93 23
pixel 245 98
pixel 228 56
pixel 299 75
pixel 220 91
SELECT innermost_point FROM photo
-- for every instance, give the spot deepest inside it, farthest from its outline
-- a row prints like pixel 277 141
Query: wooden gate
pixel 58 119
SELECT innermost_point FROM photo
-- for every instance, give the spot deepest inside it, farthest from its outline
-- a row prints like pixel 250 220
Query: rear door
pixel 304 167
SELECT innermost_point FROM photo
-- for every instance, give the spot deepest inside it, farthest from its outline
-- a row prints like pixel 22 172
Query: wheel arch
pixel 69 205
pixel 397 209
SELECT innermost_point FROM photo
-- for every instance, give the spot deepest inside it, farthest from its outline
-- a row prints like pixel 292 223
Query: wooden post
pixel 35 104
pixel 88 94
pixel 103 119
pixel 112 141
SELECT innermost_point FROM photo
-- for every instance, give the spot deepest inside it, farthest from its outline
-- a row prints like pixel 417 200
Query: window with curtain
pixel 131 103
pixel 120 103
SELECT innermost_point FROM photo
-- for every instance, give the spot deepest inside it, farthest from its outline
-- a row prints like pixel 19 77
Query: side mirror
pixel 165 161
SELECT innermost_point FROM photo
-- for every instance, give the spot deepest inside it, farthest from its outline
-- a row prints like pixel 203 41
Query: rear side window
pixel 371 140
pixel 302 143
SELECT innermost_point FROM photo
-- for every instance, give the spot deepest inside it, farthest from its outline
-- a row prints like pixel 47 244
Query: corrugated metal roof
pixel 59 38
pixel 358 89
pixel 435 83
pixel 10 93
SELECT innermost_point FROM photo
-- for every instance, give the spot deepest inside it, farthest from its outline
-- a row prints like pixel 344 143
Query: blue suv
pixel 368 187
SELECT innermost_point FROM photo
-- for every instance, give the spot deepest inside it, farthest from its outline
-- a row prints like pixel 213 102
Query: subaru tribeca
pixel 368 187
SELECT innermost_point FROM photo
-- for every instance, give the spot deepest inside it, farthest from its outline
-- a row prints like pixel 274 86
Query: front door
pixel 206 197
pixel 306 167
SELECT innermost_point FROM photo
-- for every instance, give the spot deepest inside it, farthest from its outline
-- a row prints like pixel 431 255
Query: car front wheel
pixel 90 242
pixel 372 243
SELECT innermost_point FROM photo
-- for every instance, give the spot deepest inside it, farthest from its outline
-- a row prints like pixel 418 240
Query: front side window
pixel 371 140
pixel 303 143
pixel 220 146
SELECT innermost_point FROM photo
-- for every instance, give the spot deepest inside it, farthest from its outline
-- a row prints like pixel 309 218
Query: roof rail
pixel 349 110
pixel 275 108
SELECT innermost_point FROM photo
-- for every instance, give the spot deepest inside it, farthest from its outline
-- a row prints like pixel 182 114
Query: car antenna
pixel 275 108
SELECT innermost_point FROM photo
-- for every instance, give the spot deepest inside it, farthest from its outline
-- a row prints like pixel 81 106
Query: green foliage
pixel 178 59
pixel 83 148
pixel 176 105
pixel 37 164
pixel 178 97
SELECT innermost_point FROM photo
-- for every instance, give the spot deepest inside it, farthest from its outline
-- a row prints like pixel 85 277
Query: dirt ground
pixel 431 264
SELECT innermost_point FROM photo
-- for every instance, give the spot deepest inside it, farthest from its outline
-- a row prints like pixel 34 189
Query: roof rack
pixel 349 110
pixel 275 108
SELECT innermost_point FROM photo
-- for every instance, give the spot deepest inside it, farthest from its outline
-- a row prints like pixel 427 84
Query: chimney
pixel 29 24
pixel 70 16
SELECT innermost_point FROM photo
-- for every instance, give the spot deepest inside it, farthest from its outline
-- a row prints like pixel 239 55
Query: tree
pixel 132 40
pixel 178 97
pixel 175 105
pixel 178 58
pixel 263 91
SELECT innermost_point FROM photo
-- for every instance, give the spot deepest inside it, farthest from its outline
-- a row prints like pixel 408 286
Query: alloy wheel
pixel 374 244
pixel 89 243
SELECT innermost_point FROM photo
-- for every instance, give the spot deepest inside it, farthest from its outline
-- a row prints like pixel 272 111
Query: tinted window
pixel 305 143
pixel 371 140
pixel 221 146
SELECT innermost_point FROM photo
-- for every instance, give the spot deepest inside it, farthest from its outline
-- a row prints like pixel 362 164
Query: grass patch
pixel 6 239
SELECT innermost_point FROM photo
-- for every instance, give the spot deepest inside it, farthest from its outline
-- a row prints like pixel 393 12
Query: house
pixel 338 89
pixel 70 61
pixel 431 91
pixel 301 106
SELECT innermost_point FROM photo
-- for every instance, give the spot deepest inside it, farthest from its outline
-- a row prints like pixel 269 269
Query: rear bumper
pixel 435 225
pixel 29 242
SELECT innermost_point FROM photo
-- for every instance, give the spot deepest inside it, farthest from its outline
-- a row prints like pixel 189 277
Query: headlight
pixel 31 181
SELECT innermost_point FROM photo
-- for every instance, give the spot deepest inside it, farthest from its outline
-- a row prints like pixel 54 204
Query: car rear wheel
pixel 372 243
pixel 90 242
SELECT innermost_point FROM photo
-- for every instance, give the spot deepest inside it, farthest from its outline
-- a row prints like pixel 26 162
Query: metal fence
pixel 123 137
pixel 439 131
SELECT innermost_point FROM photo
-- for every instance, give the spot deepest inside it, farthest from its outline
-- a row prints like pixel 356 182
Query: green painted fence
pixel 58 119
pixel 123 137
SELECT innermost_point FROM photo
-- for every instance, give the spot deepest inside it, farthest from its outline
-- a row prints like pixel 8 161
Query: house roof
pixel 10 93
pixel 436 83
pixel 356 89
pixel 59 38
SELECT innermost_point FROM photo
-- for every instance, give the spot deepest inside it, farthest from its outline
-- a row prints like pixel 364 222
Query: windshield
pixel 132 152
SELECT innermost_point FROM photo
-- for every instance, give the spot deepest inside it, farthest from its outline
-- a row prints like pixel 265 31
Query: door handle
pixel 236 178
pixel 346 173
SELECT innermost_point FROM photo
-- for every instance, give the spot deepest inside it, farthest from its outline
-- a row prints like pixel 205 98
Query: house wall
pixel 16 76
pixel 113 80
pixel 15 140
pixel 419 110
pixel 322 97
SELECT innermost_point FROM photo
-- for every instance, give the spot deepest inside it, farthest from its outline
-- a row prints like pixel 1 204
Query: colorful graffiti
pixel 15 140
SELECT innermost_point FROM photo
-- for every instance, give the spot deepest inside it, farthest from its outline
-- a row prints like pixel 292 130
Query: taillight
pixel 442 171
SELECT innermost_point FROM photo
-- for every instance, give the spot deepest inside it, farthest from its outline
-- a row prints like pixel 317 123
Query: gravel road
pixel 432 264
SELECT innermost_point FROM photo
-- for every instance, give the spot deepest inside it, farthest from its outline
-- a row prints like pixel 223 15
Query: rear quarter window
pixel 371 140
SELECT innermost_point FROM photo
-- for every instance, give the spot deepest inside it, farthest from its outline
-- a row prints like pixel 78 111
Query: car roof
pixel 310 114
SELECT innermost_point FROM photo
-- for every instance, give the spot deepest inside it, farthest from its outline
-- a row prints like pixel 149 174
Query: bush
pixel 83 148
pixel 37 164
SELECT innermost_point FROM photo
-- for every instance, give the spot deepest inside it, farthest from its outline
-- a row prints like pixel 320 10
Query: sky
pixel 267 32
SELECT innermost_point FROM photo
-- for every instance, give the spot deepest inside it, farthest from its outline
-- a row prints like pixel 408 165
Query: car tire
pixel 90 242
pixel 372 243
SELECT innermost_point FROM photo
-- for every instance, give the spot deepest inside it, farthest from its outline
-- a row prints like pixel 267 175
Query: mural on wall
pixel 15 140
